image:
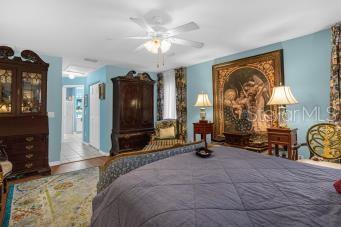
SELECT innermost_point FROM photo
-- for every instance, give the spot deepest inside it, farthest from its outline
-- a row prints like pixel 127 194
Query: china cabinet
pixel 23 117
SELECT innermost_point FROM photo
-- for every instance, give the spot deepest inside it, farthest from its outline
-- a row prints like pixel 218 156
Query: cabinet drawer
pixel 203 129
pixel 30 139
pixel 21 148
pixel 198 130
pixel 26 156
pixel 133 141
pixel 29 164
pixel 279 138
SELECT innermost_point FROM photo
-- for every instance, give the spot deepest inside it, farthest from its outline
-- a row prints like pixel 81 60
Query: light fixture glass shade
pixel 203 101
pixel 282 95
pixel 152 45
pixel 165 45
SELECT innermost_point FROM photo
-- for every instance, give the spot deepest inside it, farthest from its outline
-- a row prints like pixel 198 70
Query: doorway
pixel 72 111
pixel 73 148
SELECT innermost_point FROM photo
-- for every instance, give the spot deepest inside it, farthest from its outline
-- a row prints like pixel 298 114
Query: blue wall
pixel 103 75
pixel 306 71
pixel 54 104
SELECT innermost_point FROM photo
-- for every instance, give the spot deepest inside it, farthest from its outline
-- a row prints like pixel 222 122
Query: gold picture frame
pixel 235 98
pixel 101 91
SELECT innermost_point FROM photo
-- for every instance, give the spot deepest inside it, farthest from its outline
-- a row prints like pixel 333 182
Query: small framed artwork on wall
pixel 101 91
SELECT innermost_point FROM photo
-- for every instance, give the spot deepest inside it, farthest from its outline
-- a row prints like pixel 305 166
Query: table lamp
pixel 203 102
pixel 281 96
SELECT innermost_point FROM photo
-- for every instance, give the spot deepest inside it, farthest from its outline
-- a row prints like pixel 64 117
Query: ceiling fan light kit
pixel 155 44
pixel 160 39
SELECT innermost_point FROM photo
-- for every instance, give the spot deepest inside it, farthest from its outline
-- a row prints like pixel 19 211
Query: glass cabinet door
pixel 6 85
pixel 31 92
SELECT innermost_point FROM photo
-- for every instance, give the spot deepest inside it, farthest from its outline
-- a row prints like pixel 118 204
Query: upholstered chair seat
pixel 6 167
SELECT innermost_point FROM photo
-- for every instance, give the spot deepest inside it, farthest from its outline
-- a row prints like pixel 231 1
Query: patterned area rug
pixel 58 200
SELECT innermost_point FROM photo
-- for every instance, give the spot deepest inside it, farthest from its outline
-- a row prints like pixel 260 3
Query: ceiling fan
pixel 159 39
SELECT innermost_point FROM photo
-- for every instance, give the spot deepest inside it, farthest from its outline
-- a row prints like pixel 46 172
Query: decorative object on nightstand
pixel 203 128
pixel 285 137
pixel 280 97
pixel 203 102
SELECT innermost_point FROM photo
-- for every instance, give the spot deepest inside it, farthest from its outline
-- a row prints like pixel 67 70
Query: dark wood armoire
pixel 133 112
pixel 23 118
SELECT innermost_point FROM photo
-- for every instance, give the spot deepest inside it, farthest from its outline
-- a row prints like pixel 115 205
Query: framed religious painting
pixel 242 89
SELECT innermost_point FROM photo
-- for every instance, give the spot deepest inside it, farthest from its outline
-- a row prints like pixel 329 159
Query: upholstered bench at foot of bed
pixel 163 144
pixel 126 162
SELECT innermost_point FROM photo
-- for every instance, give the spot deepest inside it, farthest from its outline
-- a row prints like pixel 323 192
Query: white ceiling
pixel 78 29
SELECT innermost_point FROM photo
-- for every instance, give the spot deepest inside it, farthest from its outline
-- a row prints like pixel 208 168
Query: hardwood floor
pixel 58 169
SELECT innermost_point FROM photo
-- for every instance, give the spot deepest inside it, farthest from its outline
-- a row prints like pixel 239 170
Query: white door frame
pixel 94 116
pixel 63 106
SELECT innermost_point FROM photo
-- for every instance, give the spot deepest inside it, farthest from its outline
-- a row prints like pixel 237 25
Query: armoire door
pixel 130 101
pixel 147 120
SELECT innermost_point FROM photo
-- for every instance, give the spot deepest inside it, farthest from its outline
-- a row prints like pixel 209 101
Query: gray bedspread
pixel 233 188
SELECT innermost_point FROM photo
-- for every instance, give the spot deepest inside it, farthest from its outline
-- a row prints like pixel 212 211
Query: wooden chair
pixel 324 142
pixel 157 142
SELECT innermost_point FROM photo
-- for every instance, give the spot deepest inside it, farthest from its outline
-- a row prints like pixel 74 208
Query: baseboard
pixel 55 163
pixel 85 143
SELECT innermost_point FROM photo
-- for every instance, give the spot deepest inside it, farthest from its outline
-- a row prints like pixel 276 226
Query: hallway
pixel 74 150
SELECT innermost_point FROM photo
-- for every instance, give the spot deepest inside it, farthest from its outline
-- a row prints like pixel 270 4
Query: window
pixel 169 109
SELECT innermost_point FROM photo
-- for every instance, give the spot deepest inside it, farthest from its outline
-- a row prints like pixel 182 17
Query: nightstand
pixel 285 137
pixel 203 128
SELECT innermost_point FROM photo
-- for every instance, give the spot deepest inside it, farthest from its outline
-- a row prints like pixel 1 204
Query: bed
pixel 235 187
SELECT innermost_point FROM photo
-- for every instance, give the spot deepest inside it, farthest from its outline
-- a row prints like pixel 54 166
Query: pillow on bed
pixel 167 133
pixel 337 186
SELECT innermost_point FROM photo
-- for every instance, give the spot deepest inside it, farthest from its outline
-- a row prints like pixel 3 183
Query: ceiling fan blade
pixel 142 23
pixel 138 37
pixel 185 42
pixel 183 28
pixel 140 47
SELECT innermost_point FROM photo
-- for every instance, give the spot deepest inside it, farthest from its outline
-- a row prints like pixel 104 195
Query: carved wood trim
pixel 6 52
pixel 132 75
pixel 27 57
pixel 32 57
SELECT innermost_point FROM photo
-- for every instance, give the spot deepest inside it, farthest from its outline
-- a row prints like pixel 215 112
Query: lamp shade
pixel 203 101
pixel 282 95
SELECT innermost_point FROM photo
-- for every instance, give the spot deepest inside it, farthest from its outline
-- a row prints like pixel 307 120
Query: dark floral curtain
pixel 160 98
pixel 181 100
pixel 335 80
